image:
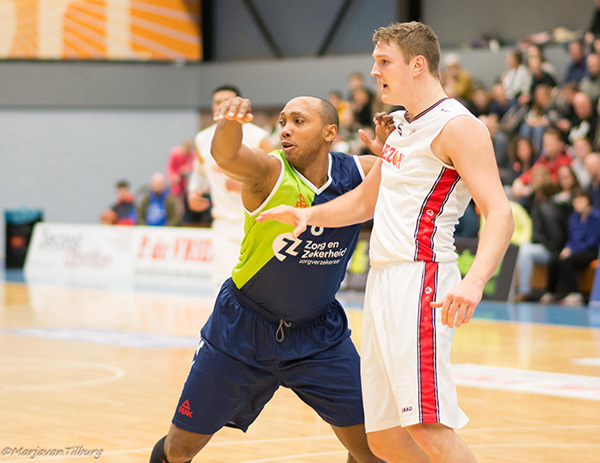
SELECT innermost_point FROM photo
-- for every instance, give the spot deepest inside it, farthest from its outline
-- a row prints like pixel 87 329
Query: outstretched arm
pixel 256 170
pixel 356 206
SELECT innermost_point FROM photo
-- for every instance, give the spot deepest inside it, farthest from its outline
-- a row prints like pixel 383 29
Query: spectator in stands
pixel 499 104
pixel 590 84
pixel 577 68
pixel 516 80
pixel 521 155
pixel 592 165
pixel 553 156
pixel 124 208
pixel 362 106
pixel 563 103
pixel 578 151
pixel 586 122
pixel 500 141
pixel 538 75
pixel 594 29
pixel 159 207
pixel 482 103
pixel 539 117
pixel 179 165
pixel 345 113
pixel 567 183
pixel 581 248
pixel 457 82
pixel 534 49
pixel 547 239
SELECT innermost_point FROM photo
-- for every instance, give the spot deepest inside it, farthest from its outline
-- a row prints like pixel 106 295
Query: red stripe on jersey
pixel 428 406
pixel 432 207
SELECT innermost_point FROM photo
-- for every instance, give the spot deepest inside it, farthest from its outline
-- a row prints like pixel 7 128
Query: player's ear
pixel 419 64
pixel 329 132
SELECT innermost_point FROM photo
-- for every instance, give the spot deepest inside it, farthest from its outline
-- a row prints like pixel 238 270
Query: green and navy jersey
pixel 296 279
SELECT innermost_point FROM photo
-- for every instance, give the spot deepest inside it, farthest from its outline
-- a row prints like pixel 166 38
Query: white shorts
pixel 405 354
pixel 227 240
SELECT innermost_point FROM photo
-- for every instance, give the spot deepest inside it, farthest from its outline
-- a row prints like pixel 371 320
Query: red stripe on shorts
pixel 428 406
pixel 434 203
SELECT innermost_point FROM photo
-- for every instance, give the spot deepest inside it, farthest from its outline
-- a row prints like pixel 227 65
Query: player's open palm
pixel 286 214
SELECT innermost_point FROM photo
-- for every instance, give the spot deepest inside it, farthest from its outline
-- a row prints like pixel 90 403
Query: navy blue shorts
pixel 243 358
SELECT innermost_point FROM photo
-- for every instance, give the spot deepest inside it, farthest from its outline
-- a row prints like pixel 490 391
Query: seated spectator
pixel 590 84
pixel 547 238
pixel 516 80
pixel 521 155
pixel 563 104
pixel 345 113
pixel 539 117
pixel 362 106
pixel 159 207
pixel 577 67
pixel 592 165
pixel 482 103
pixel 500 141
pixel 586 122
pixel 457 82
pixel 578 151
pixel 538 75
pixel 534 49
pixel 567 183
pixel 553 156
pixel 581 248
pixel 108 217
pixel 499 104
pixel 125 205
pixel 179 166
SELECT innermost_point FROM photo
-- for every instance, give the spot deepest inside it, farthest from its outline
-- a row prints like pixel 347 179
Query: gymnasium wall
pixel 69 130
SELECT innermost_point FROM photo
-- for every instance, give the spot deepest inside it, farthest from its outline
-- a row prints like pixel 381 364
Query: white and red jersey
pixel 227 203
pixel 420 197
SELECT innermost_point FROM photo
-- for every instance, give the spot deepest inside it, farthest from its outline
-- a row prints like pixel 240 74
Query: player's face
pixel 392 72
pixel 221 97
pixel 301 129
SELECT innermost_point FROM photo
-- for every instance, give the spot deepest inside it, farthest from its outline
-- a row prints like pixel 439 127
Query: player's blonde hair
pixel 414 38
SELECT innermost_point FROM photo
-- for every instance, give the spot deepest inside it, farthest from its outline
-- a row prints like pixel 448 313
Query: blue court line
pixel 526 312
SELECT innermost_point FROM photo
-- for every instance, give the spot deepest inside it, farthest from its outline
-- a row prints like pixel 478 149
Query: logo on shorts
pixel 406 409
pixel 184 409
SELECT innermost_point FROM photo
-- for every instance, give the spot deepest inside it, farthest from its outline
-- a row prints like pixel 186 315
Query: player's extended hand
pixel 197 202
pixel 235 109
pixel 384 126
pixel 459 304
pixel 287 214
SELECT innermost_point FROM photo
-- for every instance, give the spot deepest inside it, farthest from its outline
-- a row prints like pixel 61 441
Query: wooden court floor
pixel 96 374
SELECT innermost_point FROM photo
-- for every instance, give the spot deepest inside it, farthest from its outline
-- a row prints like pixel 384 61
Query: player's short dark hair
pixel 228 88
pixel 122 184
pixel 328 113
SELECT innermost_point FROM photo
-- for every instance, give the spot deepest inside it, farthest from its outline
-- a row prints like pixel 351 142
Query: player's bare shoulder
pixel 462 137
pixel 367 162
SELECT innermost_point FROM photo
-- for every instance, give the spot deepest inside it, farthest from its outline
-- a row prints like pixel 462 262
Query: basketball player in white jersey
pixel 227 210
pixel 436 157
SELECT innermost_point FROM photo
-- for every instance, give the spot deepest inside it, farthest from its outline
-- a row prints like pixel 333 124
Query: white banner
pixel 119 252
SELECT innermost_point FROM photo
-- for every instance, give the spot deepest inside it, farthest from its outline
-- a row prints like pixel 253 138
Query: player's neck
pixel 317 170
pixel 425 97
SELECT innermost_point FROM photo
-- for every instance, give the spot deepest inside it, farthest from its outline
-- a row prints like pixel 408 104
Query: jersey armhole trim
pixel 360 168
pixel 273 191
